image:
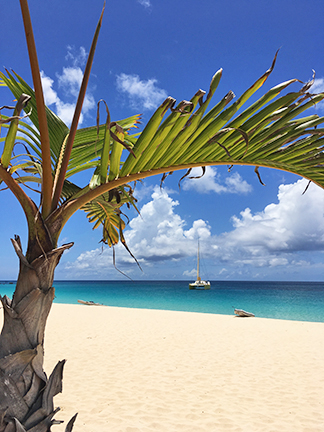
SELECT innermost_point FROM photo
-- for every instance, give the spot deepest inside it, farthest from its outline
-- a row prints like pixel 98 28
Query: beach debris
pixel 243 313
pixel 89 303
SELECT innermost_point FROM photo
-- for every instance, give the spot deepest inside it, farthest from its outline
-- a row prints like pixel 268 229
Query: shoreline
pixel 189 312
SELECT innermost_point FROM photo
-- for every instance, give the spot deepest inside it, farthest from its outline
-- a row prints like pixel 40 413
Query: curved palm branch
pixel 265 134
pixel 271 132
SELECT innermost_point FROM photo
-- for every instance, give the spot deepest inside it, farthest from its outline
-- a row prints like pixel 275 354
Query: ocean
pixel 302 301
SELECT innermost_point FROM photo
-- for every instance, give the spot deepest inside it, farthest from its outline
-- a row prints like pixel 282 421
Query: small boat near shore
pixel 243 313
pixel 89 303
pixel 199 283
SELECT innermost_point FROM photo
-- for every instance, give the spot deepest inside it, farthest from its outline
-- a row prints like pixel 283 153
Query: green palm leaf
pixel 105 212
pixel 257 136
pixel 57 128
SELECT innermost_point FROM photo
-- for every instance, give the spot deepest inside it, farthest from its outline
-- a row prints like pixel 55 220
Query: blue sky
pixel 147 50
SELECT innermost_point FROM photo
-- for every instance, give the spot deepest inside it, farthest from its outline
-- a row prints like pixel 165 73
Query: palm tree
pixel 271 132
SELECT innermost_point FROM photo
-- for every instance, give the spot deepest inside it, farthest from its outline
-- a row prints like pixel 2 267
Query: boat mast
pixel 198 277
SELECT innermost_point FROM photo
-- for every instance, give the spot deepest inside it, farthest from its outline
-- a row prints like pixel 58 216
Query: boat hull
pixel 199 285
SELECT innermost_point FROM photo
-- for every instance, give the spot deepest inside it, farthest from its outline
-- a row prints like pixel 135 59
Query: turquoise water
pixel 303 301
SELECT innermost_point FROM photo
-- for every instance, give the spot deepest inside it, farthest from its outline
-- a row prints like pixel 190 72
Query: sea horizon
pixel 292 300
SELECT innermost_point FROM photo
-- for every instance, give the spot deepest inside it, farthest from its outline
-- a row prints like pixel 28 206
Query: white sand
pixel 133 370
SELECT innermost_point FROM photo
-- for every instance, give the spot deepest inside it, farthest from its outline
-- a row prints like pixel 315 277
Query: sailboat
pixel 199 283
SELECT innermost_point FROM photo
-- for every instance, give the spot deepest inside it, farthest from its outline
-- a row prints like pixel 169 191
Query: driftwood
pixel 243 313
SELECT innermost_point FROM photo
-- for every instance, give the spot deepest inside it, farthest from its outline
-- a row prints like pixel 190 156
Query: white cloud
pixel 277 236
pixel 76 58
pixel 274 262
pixel 212 182
pixel 145 3
pixel 143 191
pixel 69 82
pixel 270 238
pixel 223 271
pixel 49 93
pixel 87 259
pixel 296 223
pixel 65 111
pixel 318 87
pixel 142 94
pixel 274 240
pixel 191 274
pixel 93 263
pixel 157 235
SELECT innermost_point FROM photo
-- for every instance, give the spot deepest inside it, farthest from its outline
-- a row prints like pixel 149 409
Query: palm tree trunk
pixel 26 394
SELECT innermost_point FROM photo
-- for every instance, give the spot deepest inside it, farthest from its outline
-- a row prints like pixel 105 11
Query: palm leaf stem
pixel 115 155
pixel 58 186
pixel 47 185
pixel 104 160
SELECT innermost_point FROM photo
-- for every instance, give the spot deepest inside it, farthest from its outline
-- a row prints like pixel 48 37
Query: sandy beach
pixel 136 370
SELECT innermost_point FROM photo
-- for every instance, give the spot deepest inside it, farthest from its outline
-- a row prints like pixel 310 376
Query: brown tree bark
pixel 26 393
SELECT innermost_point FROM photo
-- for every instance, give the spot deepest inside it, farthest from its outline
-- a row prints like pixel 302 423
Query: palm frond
pixel 56 127
pixel 257 136
pixel 88 142
pixel 105 211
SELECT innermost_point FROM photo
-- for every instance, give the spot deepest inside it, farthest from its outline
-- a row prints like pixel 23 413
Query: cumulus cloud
pixel 68 82
pixel 76 58
pixel 318 87
pixel 95 263
pixel 157 235
pixel 145 3
pixel 212 182
pixel 190 273
pixel 142 94
pixel 49 93
pixel 280 237
pixel 295 223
